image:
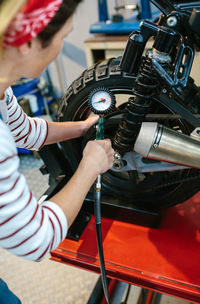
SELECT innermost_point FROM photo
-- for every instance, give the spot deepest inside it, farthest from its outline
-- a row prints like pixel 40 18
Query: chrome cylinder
pixel 158 142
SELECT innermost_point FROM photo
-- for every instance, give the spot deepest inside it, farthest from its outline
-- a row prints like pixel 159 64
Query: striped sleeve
pixel 28 132
pixel 27 229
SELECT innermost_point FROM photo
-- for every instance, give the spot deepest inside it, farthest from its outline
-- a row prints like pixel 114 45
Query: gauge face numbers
pixel 101 101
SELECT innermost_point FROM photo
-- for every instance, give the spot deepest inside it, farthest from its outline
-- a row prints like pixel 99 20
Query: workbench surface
pixel 165 259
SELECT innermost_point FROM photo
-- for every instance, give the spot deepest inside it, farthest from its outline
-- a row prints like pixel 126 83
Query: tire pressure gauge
pixel 101 101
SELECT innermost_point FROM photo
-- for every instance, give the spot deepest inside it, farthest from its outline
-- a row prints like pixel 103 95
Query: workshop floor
pixel 49 282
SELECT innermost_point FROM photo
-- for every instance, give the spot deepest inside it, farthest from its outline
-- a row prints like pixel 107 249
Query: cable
pixel 97 213
pixel 101 101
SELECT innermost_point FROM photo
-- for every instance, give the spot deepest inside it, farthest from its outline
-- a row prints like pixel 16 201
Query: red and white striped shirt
pixel 27 229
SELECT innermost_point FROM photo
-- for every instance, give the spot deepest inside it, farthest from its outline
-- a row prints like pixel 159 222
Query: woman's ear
pixel 25 48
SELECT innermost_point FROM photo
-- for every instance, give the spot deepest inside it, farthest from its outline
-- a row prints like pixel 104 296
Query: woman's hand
pixel 97 158
pixel 99 155
pixel 90 121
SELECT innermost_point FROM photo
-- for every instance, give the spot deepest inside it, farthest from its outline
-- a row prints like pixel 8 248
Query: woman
pixel 31 41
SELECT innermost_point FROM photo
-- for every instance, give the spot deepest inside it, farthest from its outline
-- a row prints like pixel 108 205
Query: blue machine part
pixel 145 9
pixel 119 28
pixel 29 87
pixel 125 26
pixel 103 10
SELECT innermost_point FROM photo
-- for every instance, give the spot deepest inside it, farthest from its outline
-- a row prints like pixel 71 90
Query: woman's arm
pixel 28 229
pixel 33 132
pixel 60 131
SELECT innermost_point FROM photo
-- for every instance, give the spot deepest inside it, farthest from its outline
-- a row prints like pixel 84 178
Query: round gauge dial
pixel 101 101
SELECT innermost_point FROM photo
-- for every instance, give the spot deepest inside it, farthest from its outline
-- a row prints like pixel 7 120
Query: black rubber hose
pixel 97 213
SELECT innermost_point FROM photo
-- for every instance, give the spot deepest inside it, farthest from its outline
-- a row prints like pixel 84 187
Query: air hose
pixel 97 213
pixel 101 101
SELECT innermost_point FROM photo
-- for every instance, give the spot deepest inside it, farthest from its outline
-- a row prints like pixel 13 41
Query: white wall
pixel 85 15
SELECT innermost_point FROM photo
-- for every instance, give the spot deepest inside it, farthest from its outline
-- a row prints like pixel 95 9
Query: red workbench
pixel 165 259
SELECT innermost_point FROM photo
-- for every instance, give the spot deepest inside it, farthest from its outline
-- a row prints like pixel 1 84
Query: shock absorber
pixel 138 106
pixel 146 86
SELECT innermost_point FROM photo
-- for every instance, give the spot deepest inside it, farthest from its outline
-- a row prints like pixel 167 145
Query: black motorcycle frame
pixel 165 68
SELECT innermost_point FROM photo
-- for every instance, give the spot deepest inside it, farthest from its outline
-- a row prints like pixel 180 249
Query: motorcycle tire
pixel 124 185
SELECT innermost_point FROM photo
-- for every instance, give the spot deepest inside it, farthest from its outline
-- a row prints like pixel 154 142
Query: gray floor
pixel 29 166
pixel 49 282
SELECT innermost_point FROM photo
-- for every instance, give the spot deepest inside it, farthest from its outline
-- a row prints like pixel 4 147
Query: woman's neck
pixel 3 87
pixel 7 74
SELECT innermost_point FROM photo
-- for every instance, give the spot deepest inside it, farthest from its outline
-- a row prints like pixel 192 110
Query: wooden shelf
pixel 101 47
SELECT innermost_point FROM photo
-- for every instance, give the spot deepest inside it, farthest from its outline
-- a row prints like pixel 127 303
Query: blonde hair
pixel 8 10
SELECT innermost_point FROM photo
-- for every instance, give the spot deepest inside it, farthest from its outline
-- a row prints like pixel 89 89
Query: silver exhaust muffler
pixel 158 142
